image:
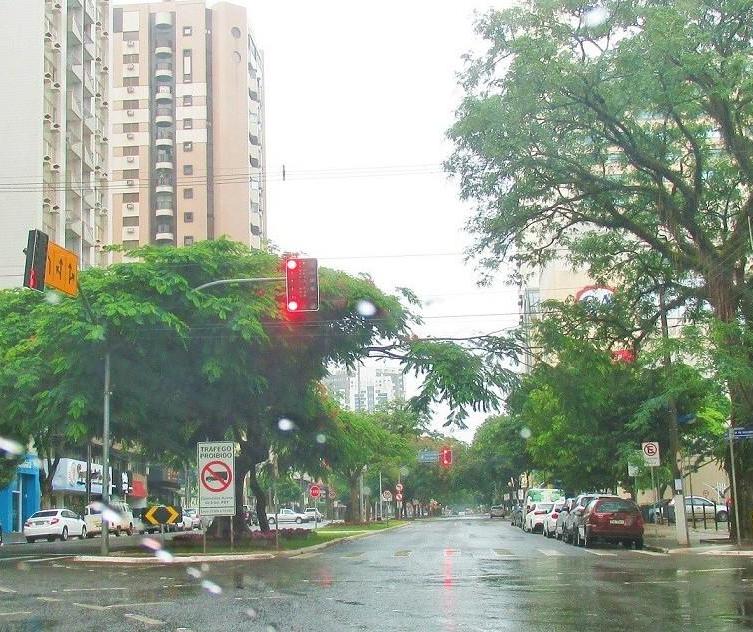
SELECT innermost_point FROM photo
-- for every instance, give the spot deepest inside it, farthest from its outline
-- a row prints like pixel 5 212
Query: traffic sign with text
pixel 741 432
pixel 216 467
pixel 387 495
pixel 315 491
pixel 62 269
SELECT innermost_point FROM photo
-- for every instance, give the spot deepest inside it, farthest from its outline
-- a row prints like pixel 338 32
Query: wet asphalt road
pixel 444 575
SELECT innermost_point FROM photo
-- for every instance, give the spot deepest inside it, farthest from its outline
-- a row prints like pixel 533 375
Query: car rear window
pixel 45 514
pixel 544 506
pixel 612 506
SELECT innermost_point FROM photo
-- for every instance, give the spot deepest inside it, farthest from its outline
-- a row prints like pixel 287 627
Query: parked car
pixel 191 520
pixel 611 519
pixel 698 506
pixel 559 526
pixel 516 516
pixel 573 519
pixel 497 511
pixel 288 515
pixel 534 520
pixel 550 519
pixel 119 516
pixel 314 514
pixel 53 524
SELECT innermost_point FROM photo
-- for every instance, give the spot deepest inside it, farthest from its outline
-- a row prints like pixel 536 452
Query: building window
pixel 188 217
pixel 131 104
pixel 130 174
pixel 130 244
pixel 131 59
pixel 187 99
pixel 235 32
pixel 187 170
pixel 130 81
pixel 187 63
pixel 130 197
pixel 187 30
pixel 187 123
pixel 131 151
pixel 188 146
pixel 188 194
pixel 130 36
pixel 131 221
pixel 130 127
pixel 188 240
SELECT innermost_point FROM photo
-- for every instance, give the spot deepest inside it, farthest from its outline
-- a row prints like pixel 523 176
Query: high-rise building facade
pixel 55 66
pixel 187 125
pixel 366 388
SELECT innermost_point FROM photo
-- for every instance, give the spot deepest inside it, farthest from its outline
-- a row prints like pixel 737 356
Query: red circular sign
pixel 650 449
pixel 398 497
pixel 399 487
pixel 216 476
pixel 315 491
pixel 332 494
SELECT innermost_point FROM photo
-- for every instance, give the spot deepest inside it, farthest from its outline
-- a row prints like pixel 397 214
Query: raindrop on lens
pixel 53 298
pixel 10 447
pixel 211 587
pixel 366 490
pixel 404 471
pixel 164 556
pixel 365 308
pixel 251 613
pixel 204 567
pixel 285 425
pixel 596 17
pixel 271 628
pixel 321 438
pixel 525 432
pixel 193 572
pixel 151 544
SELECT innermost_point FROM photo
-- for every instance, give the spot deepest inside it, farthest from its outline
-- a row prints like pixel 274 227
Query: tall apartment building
pixel 187 125
pixel 54 163
pixel 367 387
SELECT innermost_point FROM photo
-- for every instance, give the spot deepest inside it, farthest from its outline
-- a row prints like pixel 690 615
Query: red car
pixel 612 520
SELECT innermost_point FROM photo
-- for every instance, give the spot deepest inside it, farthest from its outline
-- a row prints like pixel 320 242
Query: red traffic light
pixel 301 284
pixel 445 457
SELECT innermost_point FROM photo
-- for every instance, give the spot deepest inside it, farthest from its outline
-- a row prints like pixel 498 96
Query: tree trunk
pixel 240 520
pixel 261 500
pixel 45 481
pixel 354 506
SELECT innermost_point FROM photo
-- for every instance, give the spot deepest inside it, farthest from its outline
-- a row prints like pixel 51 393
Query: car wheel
pixel 576 537
pixel 117 531
pixel 587 541
pixel 83 533
pixel 638 544
pixel 64 534
pixel 298 520
pixel 722 516
pixel 129 530
pixel 89 535
pixel 31 540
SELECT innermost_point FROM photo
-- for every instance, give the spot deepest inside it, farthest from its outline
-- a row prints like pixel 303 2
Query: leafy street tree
pixel 621 134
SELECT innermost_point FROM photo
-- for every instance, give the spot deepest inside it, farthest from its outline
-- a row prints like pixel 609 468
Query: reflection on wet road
pixel 448 575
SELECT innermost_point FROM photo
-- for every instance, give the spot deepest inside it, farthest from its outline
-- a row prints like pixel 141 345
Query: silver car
pixel 288 515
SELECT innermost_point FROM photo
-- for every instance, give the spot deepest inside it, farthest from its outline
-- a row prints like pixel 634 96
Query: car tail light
pixel 27 523
pixel 539 512
pixel 639 520
pixel 555 516
pixel 54 520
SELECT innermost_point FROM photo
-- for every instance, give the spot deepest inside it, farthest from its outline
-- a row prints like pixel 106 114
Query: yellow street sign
pixel 163 514
pixel 62 269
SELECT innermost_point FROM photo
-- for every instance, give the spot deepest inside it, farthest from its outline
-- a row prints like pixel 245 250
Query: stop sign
pixel 315 491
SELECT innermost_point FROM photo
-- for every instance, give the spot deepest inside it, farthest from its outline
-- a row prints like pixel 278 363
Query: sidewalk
pixel 13 538
pixel 664 537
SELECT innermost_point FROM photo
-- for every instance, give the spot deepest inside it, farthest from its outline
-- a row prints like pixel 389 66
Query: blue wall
pixel 27 479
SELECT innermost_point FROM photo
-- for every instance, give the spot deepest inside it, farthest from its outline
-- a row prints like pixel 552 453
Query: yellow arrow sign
pixel 173 515
pixel 149 515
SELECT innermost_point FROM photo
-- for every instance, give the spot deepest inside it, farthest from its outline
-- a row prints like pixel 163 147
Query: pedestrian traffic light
pixel 445 457
pixel 301 284
pixel 36 260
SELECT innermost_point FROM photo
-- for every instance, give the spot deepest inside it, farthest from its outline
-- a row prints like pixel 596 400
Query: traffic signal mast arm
pixel 231 281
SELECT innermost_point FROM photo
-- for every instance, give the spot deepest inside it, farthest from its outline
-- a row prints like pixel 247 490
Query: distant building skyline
pixel 366 388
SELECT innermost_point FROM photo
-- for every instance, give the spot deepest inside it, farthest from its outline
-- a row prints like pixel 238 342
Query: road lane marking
pixel 502 552
pixel 50 599
pixel 138 605
pixel 6 590
pixel 46 559
pixel 13 614
pixel 146 620
pixel 353 555
pixel 652 553
pixel 17 557
pixel 550 552
pixel 90 606
pixel 90 589
pixel 592 552
pixel 730 553
pixel 403 553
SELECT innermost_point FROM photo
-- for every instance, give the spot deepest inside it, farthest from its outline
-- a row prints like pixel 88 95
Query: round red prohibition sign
pixel 649 449
pixel 216 476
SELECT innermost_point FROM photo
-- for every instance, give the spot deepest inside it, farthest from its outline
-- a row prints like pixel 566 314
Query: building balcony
pixel 75 34
pixel 163 71
pixel 164 186
pixel 74 105
pixel 163 117
pixel 164 210
pixel 165 236
pixel 90 50
pixel 163 20
pixel 76 72
pixel 163 139
pixel 163 95
pixel 91 9
pixel 89 84
pixel 163 50
pixel 164 164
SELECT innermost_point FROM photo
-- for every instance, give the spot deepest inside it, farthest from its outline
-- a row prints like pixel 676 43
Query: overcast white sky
pixel 359 96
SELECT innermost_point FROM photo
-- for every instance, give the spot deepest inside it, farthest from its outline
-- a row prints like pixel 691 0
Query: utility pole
pixel 106 459
pixel 681 523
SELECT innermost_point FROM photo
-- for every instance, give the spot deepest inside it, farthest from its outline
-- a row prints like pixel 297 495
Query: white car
pixel 191 519
pixel 550 519
pixel 314 514
pixel 534 520
pixel 288 515
pixel 53 524
pixel 119 516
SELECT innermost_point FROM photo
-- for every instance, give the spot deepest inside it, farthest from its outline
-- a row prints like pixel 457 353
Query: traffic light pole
pixel 232 281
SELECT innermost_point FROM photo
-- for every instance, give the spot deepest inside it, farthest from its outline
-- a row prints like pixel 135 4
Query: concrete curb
pixel 229 557
pixel 655 549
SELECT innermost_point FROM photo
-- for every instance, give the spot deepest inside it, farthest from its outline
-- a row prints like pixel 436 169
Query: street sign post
pixel 387 495
pixel 742 432
pixel 62 269
pixel 332 494
pixel 428 456
pixel 399 487
pixel 632 470
pixel 315 491
pixel 216 467
pixel 651 455
pixel 399 497
pixel 163 514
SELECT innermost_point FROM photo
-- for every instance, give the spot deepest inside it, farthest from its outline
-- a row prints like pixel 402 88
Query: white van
pixel 120 520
